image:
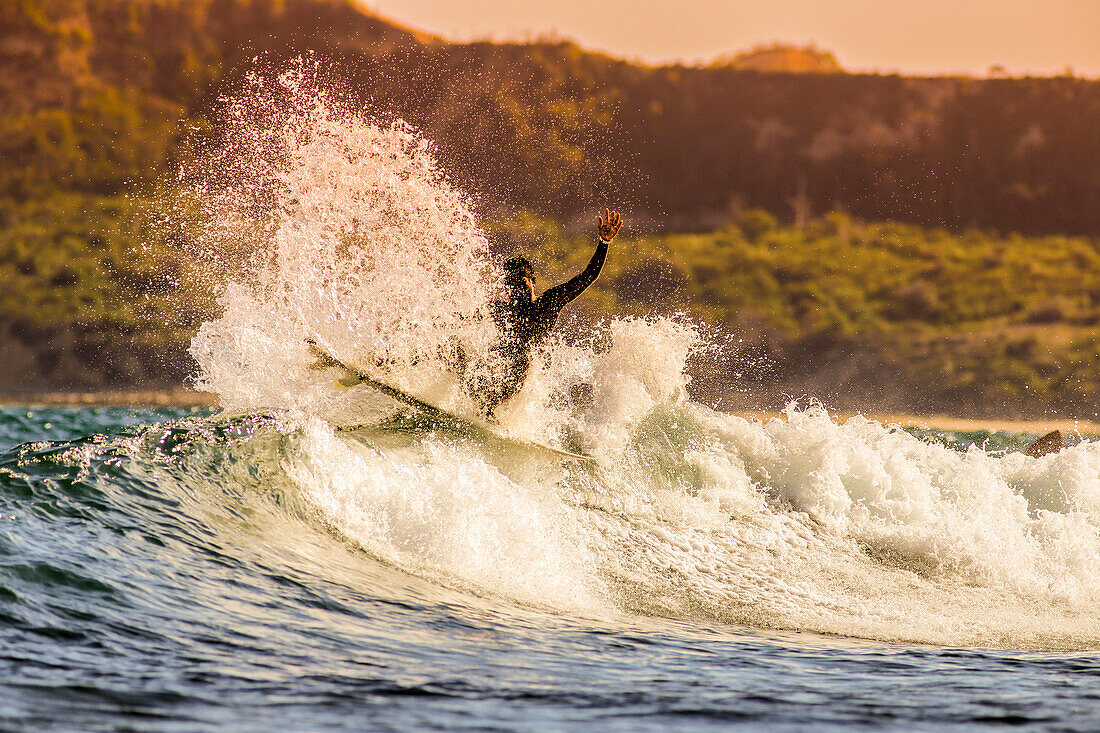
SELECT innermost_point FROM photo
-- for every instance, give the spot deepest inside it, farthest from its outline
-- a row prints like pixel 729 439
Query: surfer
pixel 526 321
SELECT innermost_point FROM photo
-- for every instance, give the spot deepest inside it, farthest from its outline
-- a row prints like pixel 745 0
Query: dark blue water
pixel 164 571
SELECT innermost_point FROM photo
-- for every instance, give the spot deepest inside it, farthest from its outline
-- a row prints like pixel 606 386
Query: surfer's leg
pixel 504 386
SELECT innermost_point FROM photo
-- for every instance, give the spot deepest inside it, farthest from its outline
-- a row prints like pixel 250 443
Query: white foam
pixel 443 511
pixel 867 530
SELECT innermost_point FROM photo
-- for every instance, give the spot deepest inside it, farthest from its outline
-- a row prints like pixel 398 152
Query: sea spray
pixel 320 221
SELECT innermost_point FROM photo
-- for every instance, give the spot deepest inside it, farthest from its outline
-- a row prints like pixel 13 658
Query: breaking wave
pixel 320 221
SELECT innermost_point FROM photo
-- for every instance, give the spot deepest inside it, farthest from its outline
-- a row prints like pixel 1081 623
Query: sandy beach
pixel 180 397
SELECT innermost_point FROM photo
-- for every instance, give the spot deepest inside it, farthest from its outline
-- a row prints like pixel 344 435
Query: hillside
pixel 93 91
pixel 97 97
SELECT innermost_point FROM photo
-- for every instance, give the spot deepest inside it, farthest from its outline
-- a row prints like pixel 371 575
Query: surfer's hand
pixel 608 225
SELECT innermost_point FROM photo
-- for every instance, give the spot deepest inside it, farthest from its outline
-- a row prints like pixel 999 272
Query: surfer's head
pixel 519 276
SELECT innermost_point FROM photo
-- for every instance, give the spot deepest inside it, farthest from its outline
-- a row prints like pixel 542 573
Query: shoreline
pixel 187 398
pixel 180 397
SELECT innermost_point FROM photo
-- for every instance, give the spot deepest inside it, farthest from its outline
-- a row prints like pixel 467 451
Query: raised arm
pixel 608 226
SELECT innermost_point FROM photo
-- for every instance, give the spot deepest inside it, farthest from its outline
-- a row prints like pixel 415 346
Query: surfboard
pixel 354 376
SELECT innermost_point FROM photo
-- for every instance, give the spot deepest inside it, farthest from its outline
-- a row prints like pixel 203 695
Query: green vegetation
pixel 85 299
pixel 96 97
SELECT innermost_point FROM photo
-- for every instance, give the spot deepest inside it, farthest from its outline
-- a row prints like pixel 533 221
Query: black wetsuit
pixel 524 325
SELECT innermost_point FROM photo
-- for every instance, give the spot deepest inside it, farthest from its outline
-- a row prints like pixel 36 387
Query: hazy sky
pixel 914 36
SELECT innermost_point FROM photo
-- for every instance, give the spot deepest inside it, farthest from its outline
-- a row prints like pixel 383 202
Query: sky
pixel 1039 37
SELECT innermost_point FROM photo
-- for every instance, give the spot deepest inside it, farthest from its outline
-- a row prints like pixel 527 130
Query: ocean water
pixel 181 570
pixel 310 557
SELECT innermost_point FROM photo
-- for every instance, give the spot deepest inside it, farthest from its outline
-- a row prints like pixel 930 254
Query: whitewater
pixel 315 557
